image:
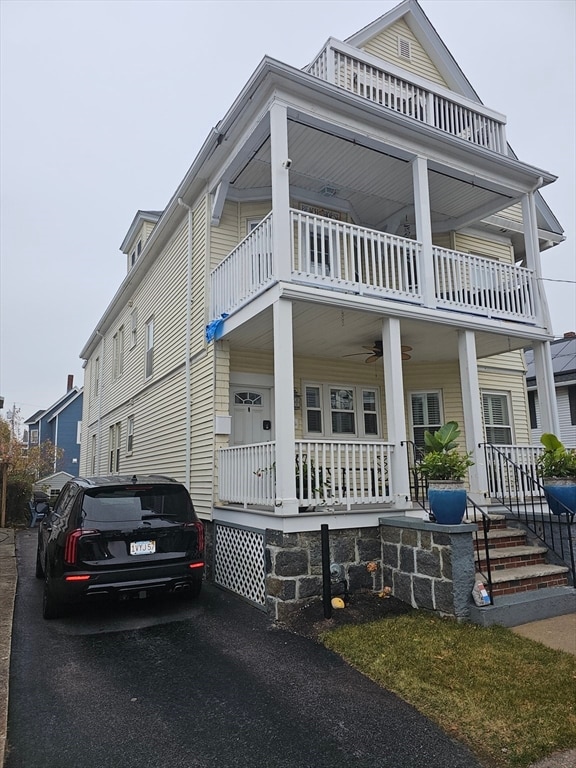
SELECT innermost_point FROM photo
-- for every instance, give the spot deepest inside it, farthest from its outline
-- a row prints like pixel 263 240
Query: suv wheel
pixel 51 608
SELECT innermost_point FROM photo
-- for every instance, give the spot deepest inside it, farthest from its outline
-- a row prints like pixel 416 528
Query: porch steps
pixel 525 586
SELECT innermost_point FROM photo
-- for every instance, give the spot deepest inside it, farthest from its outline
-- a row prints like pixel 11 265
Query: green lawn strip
pixel 511 699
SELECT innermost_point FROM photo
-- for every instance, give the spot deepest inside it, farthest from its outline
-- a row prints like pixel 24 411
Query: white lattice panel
pixel 239 563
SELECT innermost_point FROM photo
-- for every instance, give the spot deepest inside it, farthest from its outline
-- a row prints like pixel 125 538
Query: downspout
pixel 55 445
pixel 187 368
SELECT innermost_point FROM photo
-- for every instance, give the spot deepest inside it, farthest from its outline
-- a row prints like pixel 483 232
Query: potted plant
pixel 444 468
pixel 557 467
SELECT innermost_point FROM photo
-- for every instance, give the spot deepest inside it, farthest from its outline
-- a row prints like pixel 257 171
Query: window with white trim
pixel 149 361
pixel 114 442
pixel 118 353
pixel 96 376
pixel 93 455
pixel 426 414
pixel 341 411
pixel 34 434
pixel 133 328
pixel 497 419
pixel 130 435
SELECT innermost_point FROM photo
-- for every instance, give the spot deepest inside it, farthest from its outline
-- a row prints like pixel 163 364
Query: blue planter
pixel 560 491
pixel 447 505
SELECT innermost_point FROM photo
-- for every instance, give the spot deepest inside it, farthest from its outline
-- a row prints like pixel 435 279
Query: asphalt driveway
pixel 167 684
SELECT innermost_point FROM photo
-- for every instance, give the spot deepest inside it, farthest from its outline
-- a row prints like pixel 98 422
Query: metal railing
pixel 522 493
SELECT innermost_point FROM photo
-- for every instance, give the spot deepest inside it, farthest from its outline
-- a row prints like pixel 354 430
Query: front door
pixel 251 415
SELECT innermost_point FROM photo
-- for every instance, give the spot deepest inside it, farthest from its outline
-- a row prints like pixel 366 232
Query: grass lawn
pixel 512 700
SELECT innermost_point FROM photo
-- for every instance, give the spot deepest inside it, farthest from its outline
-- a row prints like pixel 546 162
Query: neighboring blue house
pixel 61 424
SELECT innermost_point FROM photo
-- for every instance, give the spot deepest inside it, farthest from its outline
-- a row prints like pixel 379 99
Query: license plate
pixel 142 547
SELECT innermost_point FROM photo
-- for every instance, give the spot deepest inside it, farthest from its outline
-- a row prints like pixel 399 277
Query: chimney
pixel 570 335
pixel 70 382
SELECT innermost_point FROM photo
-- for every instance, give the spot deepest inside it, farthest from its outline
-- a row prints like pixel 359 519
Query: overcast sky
pixel 105 104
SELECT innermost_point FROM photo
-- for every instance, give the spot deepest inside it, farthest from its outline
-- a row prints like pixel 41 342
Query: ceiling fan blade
pixel 406 356
pixel 372 358
pixel 406 348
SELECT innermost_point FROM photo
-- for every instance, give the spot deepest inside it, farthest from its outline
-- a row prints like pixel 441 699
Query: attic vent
pixel 404 48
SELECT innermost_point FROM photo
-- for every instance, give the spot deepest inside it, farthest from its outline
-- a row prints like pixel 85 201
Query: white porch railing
pixel 491 288
pixel 327 473
pixel 354 258
pixel 502 477
pixel 411 97
pixel 345 257
pixel 245 272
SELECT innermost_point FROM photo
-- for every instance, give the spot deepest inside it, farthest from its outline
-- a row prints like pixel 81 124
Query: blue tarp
pixel 215 327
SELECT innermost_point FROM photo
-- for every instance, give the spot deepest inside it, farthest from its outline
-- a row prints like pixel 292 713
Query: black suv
pixel 119 537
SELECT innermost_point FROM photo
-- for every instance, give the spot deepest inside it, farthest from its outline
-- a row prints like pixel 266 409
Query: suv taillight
pixel 71 545
pixel 200 531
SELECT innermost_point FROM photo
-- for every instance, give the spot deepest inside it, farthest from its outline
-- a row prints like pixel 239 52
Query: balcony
pixel 415 97
pixel 328 473
pixel 346 258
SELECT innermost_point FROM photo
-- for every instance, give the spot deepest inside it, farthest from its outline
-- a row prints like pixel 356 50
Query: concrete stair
pixel 525 585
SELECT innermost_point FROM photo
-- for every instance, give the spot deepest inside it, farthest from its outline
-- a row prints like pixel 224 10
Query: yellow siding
pixel 200 275
pixel 385 46
pixel 514 213
pixel 484 247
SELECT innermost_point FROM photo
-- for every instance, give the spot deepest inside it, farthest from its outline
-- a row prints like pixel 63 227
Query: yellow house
pixel 352 258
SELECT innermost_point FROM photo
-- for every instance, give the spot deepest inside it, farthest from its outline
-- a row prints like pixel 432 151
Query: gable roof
pixel 422 28
pixel 139 219
pixel 56 407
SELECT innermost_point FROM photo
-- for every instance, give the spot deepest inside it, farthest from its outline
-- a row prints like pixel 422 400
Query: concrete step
pixel 506 537
pixel 509 581
pixel 512 557
pixel 524 607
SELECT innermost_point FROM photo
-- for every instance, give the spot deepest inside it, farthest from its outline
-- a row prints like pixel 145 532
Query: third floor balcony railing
pixel 340 256
pixel 409 95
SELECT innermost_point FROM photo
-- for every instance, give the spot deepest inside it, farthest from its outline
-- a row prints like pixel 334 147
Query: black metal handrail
pixel 418 483
pixel 483 522
pixel 522 493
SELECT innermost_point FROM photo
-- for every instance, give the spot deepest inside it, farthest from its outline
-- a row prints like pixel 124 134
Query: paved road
pixel 166 684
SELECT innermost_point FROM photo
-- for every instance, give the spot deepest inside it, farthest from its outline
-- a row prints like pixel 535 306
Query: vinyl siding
pixel 484 247
pixel 385 46
pixel 567 429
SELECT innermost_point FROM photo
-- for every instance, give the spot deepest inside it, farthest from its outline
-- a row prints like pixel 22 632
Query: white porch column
pixel 545 386
pixel 533 259
pixel 286 501
pixel 395 416
pixel 472 414
pixel 424 228
pixel 280 178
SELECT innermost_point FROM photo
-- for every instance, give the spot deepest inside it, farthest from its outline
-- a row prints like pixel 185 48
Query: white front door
pixel 251 415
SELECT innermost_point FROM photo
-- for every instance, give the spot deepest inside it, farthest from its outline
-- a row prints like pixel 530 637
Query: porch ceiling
pixel 375 187
pixel 331 333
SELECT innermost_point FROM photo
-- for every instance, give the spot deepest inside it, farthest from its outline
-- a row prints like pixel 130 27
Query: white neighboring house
pixel 365 209
pixel 564 365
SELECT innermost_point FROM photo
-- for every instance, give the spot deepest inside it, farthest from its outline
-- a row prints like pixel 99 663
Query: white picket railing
pixel 435 106
pixel 245 272
pixel 327 473
pixel 491 288
pixel 344 257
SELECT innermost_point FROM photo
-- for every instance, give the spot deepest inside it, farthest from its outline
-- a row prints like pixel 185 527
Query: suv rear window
pixel 137 502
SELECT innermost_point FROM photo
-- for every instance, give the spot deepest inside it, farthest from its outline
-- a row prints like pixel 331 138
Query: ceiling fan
pixel 375 352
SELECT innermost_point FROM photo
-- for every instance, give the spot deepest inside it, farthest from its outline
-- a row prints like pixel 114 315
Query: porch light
pixel 297 400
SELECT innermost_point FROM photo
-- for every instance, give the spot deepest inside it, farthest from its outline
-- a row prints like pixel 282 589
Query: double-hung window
pixel 341 411
pixel 114 440
pixel 426 412
pixel 130 435
pixel 118 352
pixel 149 361
pixel 497 423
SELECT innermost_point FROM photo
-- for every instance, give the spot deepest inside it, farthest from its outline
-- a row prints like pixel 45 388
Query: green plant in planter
pixel 557 466
pixel 303 469
pixel 442 460
pixel 556 460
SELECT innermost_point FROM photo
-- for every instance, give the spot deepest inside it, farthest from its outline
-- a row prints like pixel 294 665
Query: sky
pixel 104 105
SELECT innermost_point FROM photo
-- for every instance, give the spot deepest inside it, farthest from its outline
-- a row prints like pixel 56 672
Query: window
pixel 93 455
pixel 34 433
pixel 426 415
pixel 572 403
pixel 79 432
pixel 96 376
pixel 133 258
pixel 118 353
pixel 497 418
pixel 130 435
pixel 532 409
pixel 341 411
pixel 114 440
pixel 133 328
pixel 149 362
